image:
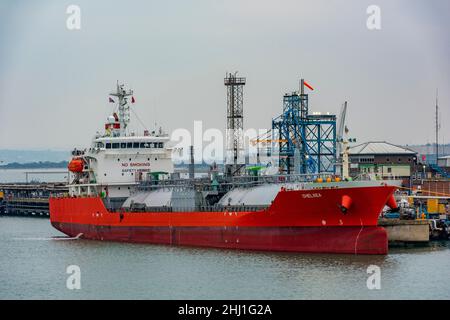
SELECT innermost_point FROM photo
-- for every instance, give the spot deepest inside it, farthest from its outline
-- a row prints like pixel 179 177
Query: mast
pixel 235 114
pixel 124 108
pixel 437 128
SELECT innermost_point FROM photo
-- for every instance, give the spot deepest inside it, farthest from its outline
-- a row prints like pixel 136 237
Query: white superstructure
pixel 118 160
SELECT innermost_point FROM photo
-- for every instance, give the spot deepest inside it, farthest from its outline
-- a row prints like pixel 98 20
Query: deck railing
pixel 206 208
pixel 227 183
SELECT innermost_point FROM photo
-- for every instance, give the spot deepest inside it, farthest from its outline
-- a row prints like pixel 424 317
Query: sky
pixel 54 82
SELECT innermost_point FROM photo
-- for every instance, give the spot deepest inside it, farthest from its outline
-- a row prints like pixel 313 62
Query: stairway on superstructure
pixel 439 170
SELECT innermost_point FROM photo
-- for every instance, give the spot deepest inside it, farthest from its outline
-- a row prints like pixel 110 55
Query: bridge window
pixel 123 145
pixel 116 145
pixel 160 145
pixel 136 145
pixel 108 146
pixel 129 145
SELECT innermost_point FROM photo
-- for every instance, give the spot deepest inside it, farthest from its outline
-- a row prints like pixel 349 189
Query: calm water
pixel 32 266
pixel 39 175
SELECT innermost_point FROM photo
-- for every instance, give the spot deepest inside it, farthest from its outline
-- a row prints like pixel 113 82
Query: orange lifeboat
pixel 76 165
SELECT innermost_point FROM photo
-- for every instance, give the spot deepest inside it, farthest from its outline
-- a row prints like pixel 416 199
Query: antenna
pixel 437 127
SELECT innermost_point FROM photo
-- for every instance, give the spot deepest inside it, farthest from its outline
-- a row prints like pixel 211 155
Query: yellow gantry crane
pixel 265 138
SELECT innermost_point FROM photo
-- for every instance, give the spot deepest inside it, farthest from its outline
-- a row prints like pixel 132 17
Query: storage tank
pixel 261 195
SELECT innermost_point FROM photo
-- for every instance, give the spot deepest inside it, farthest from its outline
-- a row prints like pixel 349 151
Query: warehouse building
pixel 382 160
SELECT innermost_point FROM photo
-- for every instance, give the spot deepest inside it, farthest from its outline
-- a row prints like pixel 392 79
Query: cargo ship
pixel 124 188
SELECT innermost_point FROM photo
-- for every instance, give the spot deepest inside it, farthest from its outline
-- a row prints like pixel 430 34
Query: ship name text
pixel 311 195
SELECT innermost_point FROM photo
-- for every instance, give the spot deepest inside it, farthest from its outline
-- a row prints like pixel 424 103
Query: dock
pixel 406 231
pixel 24 199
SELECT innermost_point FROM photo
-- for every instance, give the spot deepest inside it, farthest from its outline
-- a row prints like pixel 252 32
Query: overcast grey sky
pixel 54 83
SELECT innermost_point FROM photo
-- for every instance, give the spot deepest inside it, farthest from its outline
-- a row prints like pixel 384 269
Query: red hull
pixel 300 221
pixel 351 240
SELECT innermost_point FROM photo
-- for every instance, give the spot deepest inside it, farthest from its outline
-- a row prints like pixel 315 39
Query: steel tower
pixel 235 157
pixel 307 142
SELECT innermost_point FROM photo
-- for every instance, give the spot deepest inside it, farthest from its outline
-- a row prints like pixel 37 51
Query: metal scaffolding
pixel 235 157
pixel 307 142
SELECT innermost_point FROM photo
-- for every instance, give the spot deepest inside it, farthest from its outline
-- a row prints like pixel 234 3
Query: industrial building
pixel 382 160
pixel 444 162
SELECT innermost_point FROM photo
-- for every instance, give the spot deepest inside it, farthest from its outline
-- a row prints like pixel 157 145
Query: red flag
pixel 133 100
pixel 111 100
pixel 306 84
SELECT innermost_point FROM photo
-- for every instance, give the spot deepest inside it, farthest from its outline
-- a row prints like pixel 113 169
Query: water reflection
pixel 36 269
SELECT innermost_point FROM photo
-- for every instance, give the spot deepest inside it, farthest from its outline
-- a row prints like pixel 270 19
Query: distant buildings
pixel 427 153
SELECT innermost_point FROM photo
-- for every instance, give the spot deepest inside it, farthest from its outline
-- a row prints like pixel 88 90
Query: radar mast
pixel 124 108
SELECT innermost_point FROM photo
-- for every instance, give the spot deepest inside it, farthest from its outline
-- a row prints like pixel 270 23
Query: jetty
pixel 26 199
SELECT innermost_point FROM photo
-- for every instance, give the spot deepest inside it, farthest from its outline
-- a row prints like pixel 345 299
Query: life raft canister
pixel 346 203
pixel 76 165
